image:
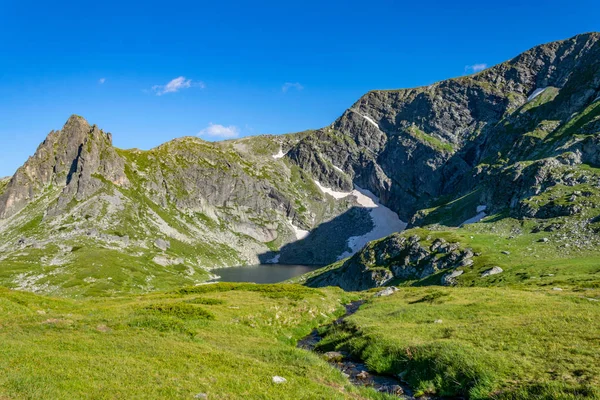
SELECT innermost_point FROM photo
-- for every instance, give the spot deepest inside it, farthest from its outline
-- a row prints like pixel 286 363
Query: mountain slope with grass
pixel 518 141
pixel 491 291
pixel 479 343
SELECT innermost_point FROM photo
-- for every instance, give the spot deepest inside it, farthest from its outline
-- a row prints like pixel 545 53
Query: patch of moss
pixel 429 140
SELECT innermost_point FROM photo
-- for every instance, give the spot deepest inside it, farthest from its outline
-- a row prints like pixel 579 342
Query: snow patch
pixel 385 221
pixel 300 233
pixel 281 154
pixel 536 93
pixel 480 215
pixel 332 193
pixel 371 121
pixel 338 169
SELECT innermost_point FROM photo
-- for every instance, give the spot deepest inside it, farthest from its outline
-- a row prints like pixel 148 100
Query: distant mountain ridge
pixel 487 143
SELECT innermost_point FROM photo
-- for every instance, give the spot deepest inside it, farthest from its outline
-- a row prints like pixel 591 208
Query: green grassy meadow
pixel 481 343
pixel 225 340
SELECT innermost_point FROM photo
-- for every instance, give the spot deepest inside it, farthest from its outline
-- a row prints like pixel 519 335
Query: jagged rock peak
pixel 76 120
pixel 67 159
pixel 76 125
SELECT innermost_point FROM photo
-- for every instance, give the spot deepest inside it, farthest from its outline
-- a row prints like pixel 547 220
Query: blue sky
pixel 152 71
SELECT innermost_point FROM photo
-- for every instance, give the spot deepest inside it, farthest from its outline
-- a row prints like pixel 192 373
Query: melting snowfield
pixel 300 233
pixel 480 215
pixel 332 193
pixel 281 154
pixel 536 93
pixel 367 118
pixel 371 121
pixel 385 221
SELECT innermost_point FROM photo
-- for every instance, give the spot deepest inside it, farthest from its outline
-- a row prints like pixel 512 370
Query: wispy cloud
pixel 101 81
pixel 291 85
pixel 469 69
pixel 217 131
pixel 177 84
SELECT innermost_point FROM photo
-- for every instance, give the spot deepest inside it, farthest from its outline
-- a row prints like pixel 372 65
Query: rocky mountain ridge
pixel 96 217
pixel 506 142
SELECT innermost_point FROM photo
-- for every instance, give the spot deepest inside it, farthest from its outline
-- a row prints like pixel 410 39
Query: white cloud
pixel 216 131
pixel 101 81
pixel 175 85
pixel 475 68
pixel 289 85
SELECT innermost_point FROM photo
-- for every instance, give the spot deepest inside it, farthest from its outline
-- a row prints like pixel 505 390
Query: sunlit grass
pixel 227 342
pixel 480 342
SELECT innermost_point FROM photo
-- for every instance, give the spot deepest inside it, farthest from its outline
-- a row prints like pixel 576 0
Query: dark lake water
pixel 264 273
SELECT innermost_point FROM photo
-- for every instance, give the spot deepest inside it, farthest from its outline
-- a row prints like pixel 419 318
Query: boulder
pixel 387 291
pixel 450 278
pixel 162 244
pixel 492 271
pixel 363 375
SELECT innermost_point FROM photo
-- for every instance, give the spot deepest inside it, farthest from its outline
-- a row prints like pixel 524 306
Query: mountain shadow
pixel 326 242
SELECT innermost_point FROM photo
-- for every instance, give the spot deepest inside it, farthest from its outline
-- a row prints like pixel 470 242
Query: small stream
pixel 356 371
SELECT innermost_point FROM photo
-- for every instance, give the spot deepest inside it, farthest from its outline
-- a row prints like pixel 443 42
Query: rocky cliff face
pixel 499 142
pixel 507 141
pixel 417 145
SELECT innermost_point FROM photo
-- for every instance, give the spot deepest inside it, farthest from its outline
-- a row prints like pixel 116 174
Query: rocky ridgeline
pixel 414 146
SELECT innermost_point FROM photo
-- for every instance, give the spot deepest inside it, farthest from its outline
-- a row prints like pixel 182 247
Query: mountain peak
pixel 74 118
pixel 67 159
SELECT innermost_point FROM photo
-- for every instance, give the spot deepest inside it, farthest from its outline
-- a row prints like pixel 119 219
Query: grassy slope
pixel 3 184
pixel 225 340
pixel 487 343
pixel 529 261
